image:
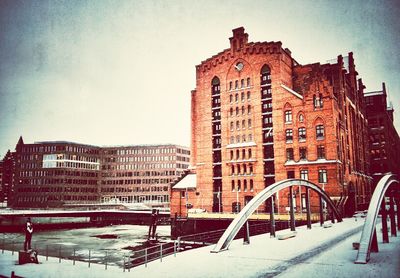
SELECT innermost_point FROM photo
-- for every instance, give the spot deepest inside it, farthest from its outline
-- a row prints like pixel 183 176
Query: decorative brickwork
pixel 258 116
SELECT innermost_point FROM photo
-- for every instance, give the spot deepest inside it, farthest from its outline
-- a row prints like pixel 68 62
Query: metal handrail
pixel 266 193
pixel 364 250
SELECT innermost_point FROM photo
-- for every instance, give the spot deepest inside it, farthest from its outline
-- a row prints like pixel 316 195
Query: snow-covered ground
pixel 319 252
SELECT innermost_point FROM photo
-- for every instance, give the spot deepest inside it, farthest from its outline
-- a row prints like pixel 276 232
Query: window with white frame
pixel 288 116
pixel 302 134
pixel 320 131
pixel 304 174
pixel 289 135
pixel 322 176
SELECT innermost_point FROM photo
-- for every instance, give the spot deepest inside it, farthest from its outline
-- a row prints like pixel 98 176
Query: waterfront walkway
pixel 319 252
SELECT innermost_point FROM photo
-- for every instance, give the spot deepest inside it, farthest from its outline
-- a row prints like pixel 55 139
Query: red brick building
pixel 258 116
pixel 59 173
pixel 384 141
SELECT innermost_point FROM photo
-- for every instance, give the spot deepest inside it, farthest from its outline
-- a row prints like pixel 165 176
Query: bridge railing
pixel 242 218
pixel 368 240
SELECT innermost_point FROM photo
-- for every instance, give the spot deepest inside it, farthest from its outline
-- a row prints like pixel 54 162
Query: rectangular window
pixel 289 135
pixel 290 174
pixel 303 153
pixel 320 132
pixel 320 152
pixel 318 101
pixel 322 176
pixel 289 154
pixel 288 116
pixel 304 174
pixel 303 201
pixel 302 134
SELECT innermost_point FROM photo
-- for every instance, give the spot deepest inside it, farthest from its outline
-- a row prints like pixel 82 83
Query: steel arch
pixel 364 250
pixel 266 193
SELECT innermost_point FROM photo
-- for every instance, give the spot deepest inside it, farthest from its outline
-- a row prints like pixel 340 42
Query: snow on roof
pixel 241 145
pixel 190 181
pixel 292 92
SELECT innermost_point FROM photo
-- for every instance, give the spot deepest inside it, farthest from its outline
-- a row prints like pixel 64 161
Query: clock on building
pixel 239 66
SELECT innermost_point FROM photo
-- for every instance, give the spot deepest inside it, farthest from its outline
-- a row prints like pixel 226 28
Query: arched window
pixel 301 118
pixel 230 85
pixel 239 186
pixel 233 186
pixel 236 84
pixel 231 112
pixel 231 155
pixel 243 110
pixel 237 111
pixel 230 98
pixel 248 95
pixel 215 85
pixel 248 82
pixel 243 154
pixel 244 169
pixel 242 96
pixel 232 170
pixel 245 185
pixel 237 154
pixel 243 124
pixel 249 109
pixel 265 75
pixel 236 98
pixel 242 83
pixel 251 185
pixel 249 153
pixel 238 169
pixel 232 126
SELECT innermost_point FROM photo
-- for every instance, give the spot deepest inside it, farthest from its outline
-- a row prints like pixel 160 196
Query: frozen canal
pixel 80 241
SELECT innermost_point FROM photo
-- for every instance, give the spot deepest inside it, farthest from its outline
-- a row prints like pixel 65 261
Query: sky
pixel 121 72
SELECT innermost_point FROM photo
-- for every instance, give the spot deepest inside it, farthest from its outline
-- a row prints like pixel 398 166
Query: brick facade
pixel 248 106
pixel 384 141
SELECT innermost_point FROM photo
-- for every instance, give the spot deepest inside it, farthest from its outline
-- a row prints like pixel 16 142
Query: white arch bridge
pixel 242 218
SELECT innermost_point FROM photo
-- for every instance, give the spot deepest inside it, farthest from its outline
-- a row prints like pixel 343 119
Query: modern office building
pixel 58 173
pixel 258 116
pixel 384 142
pixel 141 174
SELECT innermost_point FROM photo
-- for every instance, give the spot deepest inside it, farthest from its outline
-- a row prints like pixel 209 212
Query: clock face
pixel 239 66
